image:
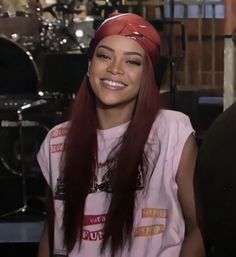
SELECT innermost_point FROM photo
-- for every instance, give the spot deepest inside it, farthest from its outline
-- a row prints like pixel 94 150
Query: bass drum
pixel 19 73
pixel 11 155
pixel 21 184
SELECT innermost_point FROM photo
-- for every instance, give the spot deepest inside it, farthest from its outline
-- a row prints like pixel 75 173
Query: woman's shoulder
pixel 57 131
pixel 172 117
pixel 169 124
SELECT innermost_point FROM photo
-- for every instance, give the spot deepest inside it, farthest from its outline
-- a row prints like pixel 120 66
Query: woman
pixel 121 170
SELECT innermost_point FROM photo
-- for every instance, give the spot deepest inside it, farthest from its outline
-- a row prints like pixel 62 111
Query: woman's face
pixel 116 71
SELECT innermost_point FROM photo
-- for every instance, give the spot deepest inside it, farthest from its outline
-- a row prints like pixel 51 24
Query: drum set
pixel 29 30
pixel 51 25
pixel 43 27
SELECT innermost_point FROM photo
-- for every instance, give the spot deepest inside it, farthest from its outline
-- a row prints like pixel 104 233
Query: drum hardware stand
pixel 25 207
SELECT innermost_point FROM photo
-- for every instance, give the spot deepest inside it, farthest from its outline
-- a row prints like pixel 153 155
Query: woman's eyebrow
pixel 127 53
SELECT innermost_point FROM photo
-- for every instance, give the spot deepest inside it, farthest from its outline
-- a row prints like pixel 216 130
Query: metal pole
pixel 140 9
pixel 172 54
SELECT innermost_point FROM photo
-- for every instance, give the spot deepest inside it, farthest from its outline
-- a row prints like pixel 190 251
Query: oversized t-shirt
pixel 159 228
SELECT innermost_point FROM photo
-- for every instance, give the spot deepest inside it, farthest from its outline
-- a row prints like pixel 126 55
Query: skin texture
pixel 193 243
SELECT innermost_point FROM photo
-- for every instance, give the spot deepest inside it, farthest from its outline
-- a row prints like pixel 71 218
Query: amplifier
pixel 14 102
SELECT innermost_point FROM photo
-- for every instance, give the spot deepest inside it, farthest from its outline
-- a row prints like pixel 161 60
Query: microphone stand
pixel 25 207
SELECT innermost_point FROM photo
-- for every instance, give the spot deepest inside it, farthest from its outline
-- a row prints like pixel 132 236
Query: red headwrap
pixel 132 26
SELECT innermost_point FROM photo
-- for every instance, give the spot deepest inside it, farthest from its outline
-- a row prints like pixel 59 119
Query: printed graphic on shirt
pixel 60 132
pixel 60 189
pixel 154 213
pixel 154 229
pixel 104 169
pixel 149 230
pixel 57 148
pixel 92 235
pixel 94 219
pixel 142 231
pixel 91 220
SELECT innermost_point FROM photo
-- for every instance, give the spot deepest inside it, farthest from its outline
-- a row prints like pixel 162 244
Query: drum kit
pixel 29 29
pixel 45 27
pixel 51 25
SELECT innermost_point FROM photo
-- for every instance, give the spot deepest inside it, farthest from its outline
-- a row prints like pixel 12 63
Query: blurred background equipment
pixel 19 72
pixel 21 140
pixel 65 27
pixel 35 78
pixel 63 73
pixel 19 21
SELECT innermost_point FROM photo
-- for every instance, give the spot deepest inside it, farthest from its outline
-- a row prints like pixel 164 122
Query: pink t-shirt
pixel 158 221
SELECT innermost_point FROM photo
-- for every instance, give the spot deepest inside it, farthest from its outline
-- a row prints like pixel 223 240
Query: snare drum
pixel 18 71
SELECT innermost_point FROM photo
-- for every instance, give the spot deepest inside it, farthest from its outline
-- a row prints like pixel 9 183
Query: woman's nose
pixel 115 67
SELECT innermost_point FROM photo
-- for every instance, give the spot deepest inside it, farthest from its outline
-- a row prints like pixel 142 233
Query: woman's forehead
pixel 122 43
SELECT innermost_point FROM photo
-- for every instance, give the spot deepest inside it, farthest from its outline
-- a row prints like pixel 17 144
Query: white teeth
pixel 113 83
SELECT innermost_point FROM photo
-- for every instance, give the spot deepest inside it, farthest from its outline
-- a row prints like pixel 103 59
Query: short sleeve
pixel 183 129
pixel 43 158
pixel 174 129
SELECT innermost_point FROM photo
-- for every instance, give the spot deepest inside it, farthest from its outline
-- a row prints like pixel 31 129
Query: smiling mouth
pixel 113 84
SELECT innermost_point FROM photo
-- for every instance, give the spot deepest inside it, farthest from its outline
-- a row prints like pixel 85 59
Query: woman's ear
pixel 88 72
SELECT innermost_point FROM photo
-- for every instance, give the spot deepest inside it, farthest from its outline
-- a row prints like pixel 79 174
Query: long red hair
pixel 81 160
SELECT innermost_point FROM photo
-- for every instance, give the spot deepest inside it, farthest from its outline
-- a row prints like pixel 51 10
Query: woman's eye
pixel 103 56
pixel 134 62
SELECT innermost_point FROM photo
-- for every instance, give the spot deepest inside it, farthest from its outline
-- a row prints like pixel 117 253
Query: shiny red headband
pixel 132 26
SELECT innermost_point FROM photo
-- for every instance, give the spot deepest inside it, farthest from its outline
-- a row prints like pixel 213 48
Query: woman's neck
pixel 112 117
